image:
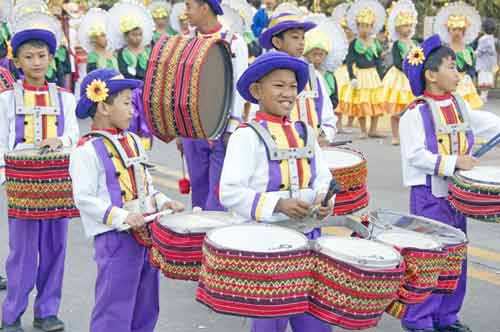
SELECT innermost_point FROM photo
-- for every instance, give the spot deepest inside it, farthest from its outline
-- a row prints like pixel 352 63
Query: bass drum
pixel 188 88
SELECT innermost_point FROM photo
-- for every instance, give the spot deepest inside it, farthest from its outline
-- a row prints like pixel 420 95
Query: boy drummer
pixel 429 157
pixel 37 247
pixel 113 190
pixel 286 33
pixel 267 190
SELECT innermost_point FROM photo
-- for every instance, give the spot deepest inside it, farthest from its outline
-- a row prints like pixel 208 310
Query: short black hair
pixel 489 26
pixel 435 58
pixel 281 34
pixel 36 43
pixel 202 2
pixel 110 100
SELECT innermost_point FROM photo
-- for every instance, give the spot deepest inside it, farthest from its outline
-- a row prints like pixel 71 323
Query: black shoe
pixel 48 324
pixel 3 283
pixel 406 329
pixel 455 327
pixel 16 327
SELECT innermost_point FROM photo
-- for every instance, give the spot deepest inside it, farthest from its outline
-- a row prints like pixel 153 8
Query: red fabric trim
pixel 112 131
pixel 30 87
pixel 263 116
pixel 436 97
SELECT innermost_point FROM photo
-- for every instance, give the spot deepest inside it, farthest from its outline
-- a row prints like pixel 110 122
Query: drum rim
pixel 439 245
pixel 218 247
pixel 201 230
pixel 347 150
pixel 459 174
pixel 63 152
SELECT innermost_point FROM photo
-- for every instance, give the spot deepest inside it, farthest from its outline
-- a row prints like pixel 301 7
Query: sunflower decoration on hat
pixel 95 23
pixel 458 15
pixel 402 13
pixel 178 17
pixel 328 36
pixel 126 16
pixel 97 91
pixel 368 12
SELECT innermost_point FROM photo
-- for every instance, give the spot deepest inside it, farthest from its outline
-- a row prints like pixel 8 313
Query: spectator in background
pixel 261 18
pixel 487 58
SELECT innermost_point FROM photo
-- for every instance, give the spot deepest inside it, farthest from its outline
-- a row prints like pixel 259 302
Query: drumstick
pixel 488 146
pixel 332 190
pixel 150 218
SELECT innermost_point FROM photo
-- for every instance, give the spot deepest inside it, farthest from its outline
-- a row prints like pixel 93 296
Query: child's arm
pixel 240 63
pixel 484 124
pixel 350 60
pixel 162 201
pixel 323 174
pixel 328 118
pixel 4 132
pixel 71 129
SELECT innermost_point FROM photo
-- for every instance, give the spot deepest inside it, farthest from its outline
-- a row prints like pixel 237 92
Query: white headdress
pixel 403 12
pixel 39 21
pixel 178 10
pixel 160 9
pixel 244 9
pixel 94 23
pixel 5 10
pixel 25 7
pixel 458 15
pixel 126 16
pixel 288 8
pixel 366 11
pixel 340 12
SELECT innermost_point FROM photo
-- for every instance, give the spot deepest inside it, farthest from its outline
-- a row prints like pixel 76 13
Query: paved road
pixel 179 311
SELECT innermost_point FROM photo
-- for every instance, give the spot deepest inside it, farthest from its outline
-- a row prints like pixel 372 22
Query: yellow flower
pixel 129 23
pixel 159 12
pixel 457 21
pixel 405 18
pixel 366 16
pixel 97 91
pixel 416 56
pixel 97 30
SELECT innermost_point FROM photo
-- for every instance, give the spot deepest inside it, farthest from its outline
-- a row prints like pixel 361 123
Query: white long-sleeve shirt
pixel 418 162
pixel 92 192
pixel 251 184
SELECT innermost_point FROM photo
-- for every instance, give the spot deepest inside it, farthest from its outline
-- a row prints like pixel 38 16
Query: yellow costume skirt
pixel 467 90
pixel 344 90
pixel 397 91
pixel 367 99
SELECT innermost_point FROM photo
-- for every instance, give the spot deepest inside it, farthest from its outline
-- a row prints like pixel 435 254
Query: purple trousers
pixel 439 310
pixel 37 250
pixel 299 323
pixel 204 162
pixel 126 291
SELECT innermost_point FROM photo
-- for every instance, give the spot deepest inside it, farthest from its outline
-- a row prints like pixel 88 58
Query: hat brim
pixel 415 74
pixel 25 36
pixel 114 86
pixel 258 70
pixel 266 38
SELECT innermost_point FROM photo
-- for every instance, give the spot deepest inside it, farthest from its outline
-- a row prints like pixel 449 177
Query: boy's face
pixel 276 92
pixel 34 61
pixel 134 37
pixel 292 42
pixel 316 57
pixel 120 112
pixel 270 4
pixel 101 41
pixel 364 29
pixel 457 34
pixel 404 30
pixel 446 79
pixel 195 12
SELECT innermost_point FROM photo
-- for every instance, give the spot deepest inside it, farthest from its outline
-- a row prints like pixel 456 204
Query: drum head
pixel 444 233
pixel 36 153
pixel 403 239
pixel 199 222
pixel 341 158
pixel 257 238
pixel 489 175
pixel 216 87
pixel 361 253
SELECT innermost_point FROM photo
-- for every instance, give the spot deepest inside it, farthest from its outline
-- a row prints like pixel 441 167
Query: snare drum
pixel 188 88
pixel 255 270
pixel 424 259
pixel 355 280
pixel 39 186
pixel 178 239
pixel 451 238
pixel 348 167
pixel 476 193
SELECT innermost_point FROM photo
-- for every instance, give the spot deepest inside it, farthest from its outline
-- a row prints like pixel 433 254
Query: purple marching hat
pixel 413 65
pixel 215 5
pixel 24 36
pixel 280 23
pixel 267 63
pixel 98 85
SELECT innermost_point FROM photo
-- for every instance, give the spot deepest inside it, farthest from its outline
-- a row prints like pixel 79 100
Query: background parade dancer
pixel 160 11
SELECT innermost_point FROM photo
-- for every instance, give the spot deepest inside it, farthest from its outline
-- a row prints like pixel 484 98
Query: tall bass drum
pixel 188 88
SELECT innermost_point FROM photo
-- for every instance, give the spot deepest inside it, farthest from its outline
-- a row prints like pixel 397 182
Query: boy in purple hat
pixel 431 153
pixel 264 189
pixel 204 158
pixel 37 247
pixel 113 191
pixel 286 33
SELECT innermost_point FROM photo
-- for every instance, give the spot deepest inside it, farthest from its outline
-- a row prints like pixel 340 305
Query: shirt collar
pixel 30 87
pixel 436 97
pixel 213 31
pixel 262 116
pixel 112 131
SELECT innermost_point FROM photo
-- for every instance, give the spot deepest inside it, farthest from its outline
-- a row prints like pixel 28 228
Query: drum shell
pixel 39 186
pixel 350 177
pixel 350 201
pixel 176 93
pixel 452 269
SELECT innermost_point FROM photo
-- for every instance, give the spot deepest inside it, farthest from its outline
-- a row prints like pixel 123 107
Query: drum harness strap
pixel 36 111
pixel 308 94
pixel 135 162
pixel 450 129
pixel 291 154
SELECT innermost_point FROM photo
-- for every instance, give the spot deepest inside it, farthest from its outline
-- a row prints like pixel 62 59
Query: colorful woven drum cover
pixel 424 260
pixel 6 80
pixel 178 239
pixel 450 274
pixel 476 193
pixel 143 236
pixel 255 271
pixel 39 186
pixel 355 280
pixel 188 87
pixel 348 166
